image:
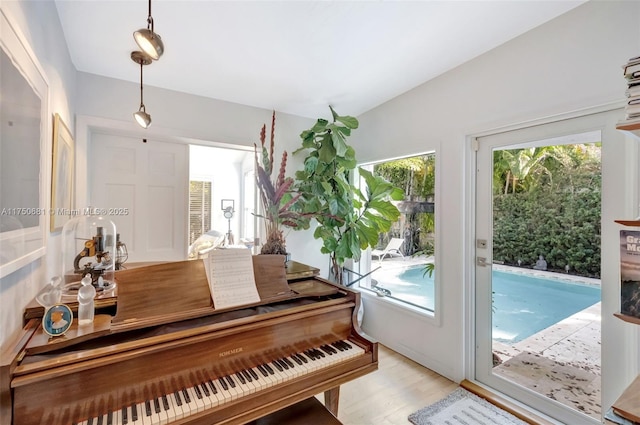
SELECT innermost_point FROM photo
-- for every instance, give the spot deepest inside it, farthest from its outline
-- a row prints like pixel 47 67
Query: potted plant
pixel 349 220
pixel 276 196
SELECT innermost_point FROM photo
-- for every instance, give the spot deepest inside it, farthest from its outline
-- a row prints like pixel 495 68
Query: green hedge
pixel 564 227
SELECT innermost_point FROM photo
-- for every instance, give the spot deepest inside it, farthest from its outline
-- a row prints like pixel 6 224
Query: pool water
pixel 522 304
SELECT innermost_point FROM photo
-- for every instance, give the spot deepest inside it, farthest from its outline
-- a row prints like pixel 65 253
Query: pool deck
pixel 561 362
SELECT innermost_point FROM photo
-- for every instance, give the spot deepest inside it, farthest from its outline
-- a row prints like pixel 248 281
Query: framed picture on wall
pixel 61 175
pixel 25 129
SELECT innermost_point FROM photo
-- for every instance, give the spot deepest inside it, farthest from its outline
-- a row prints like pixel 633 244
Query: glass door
pixel 537 285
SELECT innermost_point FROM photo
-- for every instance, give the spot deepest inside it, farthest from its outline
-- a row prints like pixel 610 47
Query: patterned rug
pixel 463 407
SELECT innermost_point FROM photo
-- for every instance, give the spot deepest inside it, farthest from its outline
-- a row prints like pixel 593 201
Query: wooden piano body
pixel 87 374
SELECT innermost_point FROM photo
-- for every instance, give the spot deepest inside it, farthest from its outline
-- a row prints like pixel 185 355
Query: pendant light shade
pixel 149 42
pixel 141 116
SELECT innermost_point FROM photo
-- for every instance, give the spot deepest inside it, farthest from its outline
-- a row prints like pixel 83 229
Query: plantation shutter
pixel 199 209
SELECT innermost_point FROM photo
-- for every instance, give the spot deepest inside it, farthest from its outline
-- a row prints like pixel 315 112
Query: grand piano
pixel 159 352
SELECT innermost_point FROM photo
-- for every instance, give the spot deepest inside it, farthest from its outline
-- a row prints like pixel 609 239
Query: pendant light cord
pixel 150 18
pixel 141 91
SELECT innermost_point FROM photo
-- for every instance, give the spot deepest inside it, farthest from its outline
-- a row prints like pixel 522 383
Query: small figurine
pixel 50 294
pixel 541 264
pixel 86 295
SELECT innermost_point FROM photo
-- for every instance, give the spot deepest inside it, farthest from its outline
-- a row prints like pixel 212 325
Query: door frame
pixel 619 367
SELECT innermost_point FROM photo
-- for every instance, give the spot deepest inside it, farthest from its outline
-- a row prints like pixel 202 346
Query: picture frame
pixel 57 320
pixel 23 147
pixel 62 175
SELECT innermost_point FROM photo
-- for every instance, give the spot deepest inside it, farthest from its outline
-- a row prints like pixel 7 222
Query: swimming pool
pixel 522 304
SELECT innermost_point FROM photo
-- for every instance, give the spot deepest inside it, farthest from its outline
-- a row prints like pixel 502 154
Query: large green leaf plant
pixel 349 219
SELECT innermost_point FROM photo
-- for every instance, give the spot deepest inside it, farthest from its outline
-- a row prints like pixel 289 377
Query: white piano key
pixel 189 403
pixel 171 410
pixel 197 397
pixel 261 382
pixel 244 388
pixel 143 419
pixel 154 417
pixel 233 389
pixel 177 405
pixel 224 394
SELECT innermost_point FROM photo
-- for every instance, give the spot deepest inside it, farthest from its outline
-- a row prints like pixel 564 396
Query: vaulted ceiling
pixel 296 56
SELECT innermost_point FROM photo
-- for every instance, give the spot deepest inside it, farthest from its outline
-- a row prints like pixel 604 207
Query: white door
pixel 586 129
pixel 143 187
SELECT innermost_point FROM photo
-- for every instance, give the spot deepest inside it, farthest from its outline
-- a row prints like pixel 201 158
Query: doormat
pixel 463 407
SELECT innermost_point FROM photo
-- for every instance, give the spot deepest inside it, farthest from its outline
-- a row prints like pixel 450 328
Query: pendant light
pixel 150 42
pixel 141 115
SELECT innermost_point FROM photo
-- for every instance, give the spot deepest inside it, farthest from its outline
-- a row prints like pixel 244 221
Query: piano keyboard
pixel 209 393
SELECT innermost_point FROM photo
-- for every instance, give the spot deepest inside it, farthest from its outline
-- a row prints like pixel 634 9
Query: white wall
pixel 40 28
pixel 570 63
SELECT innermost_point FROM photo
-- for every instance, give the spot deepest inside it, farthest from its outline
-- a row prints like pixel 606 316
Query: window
pixel 199 209
pixel 406 273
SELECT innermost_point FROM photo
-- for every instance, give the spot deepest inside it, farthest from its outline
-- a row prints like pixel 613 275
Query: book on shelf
pixel 630 273
pixel 629 124
pixel 633 91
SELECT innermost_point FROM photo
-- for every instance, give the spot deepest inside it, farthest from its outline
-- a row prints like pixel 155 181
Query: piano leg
pixel 331 400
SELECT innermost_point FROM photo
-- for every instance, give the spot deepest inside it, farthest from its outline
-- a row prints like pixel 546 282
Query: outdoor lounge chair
pixel 392 248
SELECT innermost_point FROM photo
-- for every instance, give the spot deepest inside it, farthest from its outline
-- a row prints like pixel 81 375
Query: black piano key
pixel 311 354
pixel 305 357
pixel 90 421
pixel 326 349
pixel 178 398
pixel 347 345
pixel 165 403
pixel 198 392
pixel 319 353
pixel 277 365
pixel 288 362
pixel 253 374
pixel 241 378
pixel 231 382
pixel 156 405
pixel 223 383
pixel 269 369
pixel 147 407
pixel 213 387
pixel 125 416
pixel 247 375
pixel 205 390
pixel 337 345
pixel 263 370
pixel 296 359
pixel 134 412
pixel 185 394
pixel 110 418
pixel 100 421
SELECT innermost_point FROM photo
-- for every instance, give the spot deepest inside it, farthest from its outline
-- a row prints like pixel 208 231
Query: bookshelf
pixel 627 406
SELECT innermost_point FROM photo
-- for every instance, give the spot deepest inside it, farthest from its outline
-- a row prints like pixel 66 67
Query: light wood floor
pixel 386 397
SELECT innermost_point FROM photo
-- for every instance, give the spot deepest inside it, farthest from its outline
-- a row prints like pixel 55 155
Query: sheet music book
pixel 231 279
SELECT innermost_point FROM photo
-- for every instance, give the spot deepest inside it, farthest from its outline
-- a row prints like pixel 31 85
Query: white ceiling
pixel 296 56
